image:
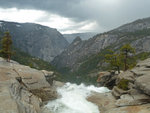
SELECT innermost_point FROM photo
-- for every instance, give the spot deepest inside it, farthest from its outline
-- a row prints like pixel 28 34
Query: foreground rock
pixel 131 89
pixel 23 89
pixel 103 101
pixel 107 104
pixel 107 79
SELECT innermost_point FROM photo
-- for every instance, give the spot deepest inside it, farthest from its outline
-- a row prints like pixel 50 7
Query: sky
pixel 75 16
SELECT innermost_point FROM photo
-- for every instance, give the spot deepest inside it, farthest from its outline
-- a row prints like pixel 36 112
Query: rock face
pixel 35 39
pixel 23 89
pixel 107 104
pixel 138 86
pixel 83 36
pixel 136 33
pixel 142 70
pixel 107 79
pixel 136 99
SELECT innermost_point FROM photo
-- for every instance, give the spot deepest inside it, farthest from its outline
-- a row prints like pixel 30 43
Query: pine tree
pixel 6 46
pixel 114 60
pixel 126 52
pixel 123 59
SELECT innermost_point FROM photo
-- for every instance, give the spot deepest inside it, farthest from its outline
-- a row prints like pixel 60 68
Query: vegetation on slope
pixel 88 65
pixel 28 60
pixel 96 62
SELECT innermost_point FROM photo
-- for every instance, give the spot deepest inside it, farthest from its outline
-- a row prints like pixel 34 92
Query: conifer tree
pixel 123 59
pixel 6 47
pixel 114 60
pixel 127 51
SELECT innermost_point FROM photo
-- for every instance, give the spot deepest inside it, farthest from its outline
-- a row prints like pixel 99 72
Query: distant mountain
pixel 37 40
pixel 83 36
pixel 89 54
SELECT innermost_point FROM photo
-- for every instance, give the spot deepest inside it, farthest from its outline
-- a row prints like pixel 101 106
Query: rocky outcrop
pixel 142 71
pixel 107 104
pixel 131 89
pixel 23 89
pixel 37 40
pixel 138 91
pixel 106 79
pixel 135 33
pixel 103 101
pixel 26 102
pixel 138 86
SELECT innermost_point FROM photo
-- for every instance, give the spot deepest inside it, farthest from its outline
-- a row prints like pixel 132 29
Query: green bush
pixel 123 84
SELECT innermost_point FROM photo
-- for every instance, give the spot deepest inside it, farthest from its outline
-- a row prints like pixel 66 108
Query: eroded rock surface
pixel 136 98
pixel 23 89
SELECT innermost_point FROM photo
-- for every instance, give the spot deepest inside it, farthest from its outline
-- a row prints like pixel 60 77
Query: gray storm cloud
pixel 107 14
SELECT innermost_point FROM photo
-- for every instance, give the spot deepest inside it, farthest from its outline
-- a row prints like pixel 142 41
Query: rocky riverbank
pixel 130 90
pixel 25 90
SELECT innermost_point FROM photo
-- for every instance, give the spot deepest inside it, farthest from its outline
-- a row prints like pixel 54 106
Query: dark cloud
pixel 106 13
pixel 62 7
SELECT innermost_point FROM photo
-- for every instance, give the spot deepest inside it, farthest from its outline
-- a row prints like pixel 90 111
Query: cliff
pixel 23 89
pixel 37 40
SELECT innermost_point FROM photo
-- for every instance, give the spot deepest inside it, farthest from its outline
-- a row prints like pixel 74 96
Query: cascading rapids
pixel 73 99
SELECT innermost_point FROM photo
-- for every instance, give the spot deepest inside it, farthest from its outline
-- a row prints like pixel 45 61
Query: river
pixel 73 99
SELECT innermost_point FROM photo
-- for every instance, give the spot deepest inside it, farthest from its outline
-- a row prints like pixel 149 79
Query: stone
pixel 23 89
pixel 58 84
pixel 142 68
pixel 103 101
pixel 127 76
pixel 138 93
pixel 143 83
pixel 106 79
pixel 49 75
pixel 26 101
pixel 125 100
pixel 131 109
pixel 46 94
pixel 107 104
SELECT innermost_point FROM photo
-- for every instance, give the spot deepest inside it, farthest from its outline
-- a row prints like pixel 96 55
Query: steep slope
pixel 137 33
pixel 24 89
pixel 83 36
pixel 28 60
pixel 35 39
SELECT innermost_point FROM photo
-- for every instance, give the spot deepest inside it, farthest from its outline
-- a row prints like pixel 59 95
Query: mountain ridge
pixel 83 36
pixel 35 39
pixel 136 33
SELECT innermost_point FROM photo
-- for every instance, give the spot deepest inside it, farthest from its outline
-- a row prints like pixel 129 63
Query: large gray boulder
pixel 23 89
pixel 143 83
pixel 138 85
pixel 107 79
pixel 142 71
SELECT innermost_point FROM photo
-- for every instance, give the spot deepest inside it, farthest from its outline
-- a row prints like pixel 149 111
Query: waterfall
pixel 73 99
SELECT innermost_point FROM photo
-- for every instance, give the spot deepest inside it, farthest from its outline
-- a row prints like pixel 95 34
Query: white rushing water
pixel 73 99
